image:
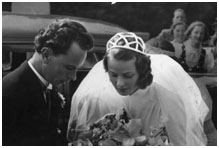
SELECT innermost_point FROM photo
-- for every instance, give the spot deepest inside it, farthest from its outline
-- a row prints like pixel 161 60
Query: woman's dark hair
pixel 142 63
pixel 176 24
pixel 60 34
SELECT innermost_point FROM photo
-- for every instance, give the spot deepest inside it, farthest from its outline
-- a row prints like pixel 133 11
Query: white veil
pixel 94 97
pixel 171 76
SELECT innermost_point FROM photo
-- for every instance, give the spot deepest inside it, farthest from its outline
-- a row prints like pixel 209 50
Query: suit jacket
pixel 25 119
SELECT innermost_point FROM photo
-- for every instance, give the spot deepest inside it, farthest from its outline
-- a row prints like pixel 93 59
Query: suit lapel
pixel 35 89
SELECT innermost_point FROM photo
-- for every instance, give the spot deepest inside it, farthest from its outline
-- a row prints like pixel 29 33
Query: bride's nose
pixel 120 82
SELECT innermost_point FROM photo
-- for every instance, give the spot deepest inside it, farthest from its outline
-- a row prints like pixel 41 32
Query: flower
pixel 63 102
pixel 120 129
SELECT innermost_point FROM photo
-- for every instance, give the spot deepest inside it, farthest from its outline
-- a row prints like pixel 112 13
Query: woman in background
pixel 194 58
pixel 178 16
pixel 178 37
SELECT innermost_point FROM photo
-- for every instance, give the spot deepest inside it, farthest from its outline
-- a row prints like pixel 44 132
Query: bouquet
pixel 120 130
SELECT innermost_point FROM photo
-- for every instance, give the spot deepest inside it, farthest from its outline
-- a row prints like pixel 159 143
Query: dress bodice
pixel 196 60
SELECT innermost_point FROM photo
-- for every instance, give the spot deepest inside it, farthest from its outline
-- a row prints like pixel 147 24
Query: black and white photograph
pixel 109 73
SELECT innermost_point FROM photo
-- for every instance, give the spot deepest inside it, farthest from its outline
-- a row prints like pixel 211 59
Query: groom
pixel 30 114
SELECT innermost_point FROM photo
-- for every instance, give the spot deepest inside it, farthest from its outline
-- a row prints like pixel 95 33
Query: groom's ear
pixel 46 54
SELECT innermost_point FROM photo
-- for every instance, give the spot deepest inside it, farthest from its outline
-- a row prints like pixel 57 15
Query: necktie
pixel 48 101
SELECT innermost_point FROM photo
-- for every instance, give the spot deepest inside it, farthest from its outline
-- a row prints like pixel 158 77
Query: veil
pixel 171 76
pixel 96 97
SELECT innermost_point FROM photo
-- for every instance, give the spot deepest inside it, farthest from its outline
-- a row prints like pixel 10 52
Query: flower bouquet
pixel 120 130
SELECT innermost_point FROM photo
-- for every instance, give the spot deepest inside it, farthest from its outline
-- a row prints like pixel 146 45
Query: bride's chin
pixel 123 93
pixel 126 93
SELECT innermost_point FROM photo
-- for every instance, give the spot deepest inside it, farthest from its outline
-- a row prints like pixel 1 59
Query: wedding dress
pixel 173 95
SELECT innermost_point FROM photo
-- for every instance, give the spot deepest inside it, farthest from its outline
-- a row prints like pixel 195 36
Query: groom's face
pixel 61 68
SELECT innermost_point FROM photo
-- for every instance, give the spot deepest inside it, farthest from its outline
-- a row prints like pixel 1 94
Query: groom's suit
pixel 26 117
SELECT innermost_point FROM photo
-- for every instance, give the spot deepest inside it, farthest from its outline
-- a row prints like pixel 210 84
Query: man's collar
pixel 44 82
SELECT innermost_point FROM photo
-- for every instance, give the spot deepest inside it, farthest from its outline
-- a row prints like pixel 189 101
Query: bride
pixel 149 87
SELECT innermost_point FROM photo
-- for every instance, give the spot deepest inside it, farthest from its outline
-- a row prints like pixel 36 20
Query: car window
pixel 11 60
pixel 6 60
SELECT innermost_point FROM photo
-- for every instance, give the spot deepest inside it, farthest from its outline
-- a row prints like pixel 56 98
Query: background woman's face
pixel 123 75
pixel 197 34
pixel 178 33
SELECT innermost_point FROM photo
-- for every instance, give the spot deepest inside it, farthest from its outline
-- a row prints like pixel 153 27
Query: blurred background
pixel 149 17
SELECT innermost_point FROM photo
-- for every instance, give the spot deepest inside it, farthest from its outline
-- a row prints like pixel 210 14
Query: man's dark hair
pixel 60 34
pixel 142 63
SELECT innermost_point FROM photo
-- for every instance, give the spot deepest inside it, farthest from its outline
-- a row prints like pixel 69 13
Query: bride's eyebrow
pixel 126 73
pixel 112 72
pixel 129 73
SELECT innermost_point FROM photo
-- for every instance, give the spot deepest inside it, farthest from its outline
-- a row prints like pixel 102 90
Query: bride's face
pixel 123 75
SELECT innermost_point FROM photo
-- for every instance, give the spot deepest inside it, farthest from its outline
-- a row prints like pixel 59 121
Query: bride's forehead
pixel 121 65
pixel 112 59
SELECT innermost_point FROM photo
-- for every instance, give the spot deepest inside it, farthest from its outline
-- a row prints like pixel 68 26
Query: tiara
pixel 126 40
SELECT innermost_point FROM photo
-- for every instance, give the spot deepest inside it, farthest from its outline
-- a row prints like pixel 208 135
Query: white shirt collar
pixel 46 83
